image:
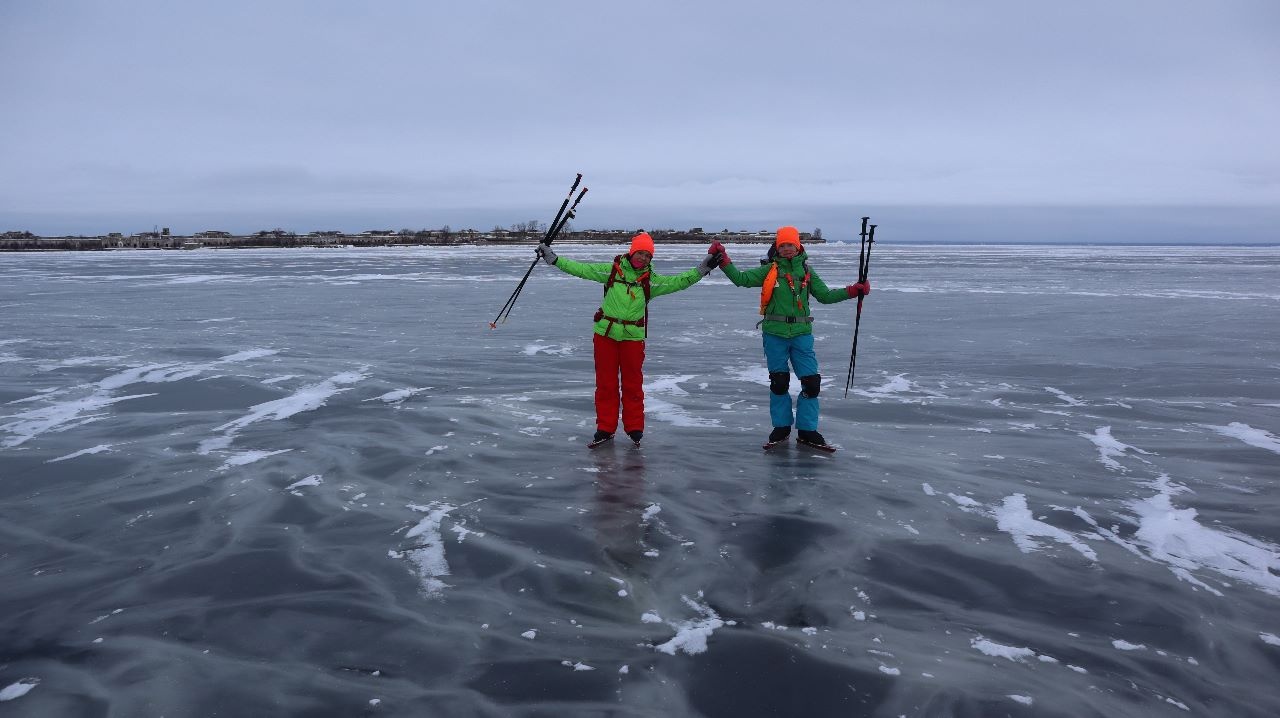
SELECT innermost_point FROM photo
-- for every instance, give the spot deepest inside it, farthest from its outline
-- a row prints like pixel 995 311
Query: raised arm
pixel 669 285
pixel 818 290
pixel 750 278
pixel 595 271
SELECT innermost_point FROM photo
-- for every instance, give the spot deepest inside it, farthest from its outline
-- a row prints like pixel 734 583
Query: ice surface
pixel 324 461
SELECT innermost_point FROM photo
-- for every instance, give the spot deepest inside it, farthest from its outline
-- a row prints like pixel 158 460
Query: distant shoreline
pixel 469 238
pixel 27 242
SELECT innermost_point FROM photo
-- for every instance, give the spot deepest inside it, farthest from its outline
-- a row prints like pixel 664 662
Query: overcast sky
pixel 117 116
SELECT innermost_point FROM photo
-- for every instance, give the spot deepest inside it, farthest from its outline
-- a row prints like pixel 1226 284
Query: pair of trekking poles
pixel 553 230
pixel 864 264
pixel 868 237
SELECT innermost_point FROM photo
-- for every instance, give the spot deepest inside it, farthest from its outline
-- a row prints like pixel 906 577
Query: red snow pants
pixel 614 359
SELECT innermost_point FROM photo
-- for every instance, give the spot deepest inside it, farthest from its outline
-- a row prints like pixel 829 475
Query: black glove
pixel 707 264
pixel 548 256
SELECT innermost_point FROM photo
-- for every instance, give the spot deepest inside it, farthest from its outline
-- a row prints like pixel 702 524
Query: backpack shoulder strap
pixel 614 273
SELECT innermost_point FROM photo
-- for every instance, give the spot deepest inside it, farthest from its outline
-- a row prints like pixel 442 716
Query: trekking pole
pixel 552 233
pixel 553 230
pixel 864 265
pixel 512 299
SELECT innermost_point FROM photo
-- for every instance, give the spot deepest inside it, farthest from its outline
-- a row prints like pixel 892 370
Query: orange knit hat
pixel 640 242
pixel 788 235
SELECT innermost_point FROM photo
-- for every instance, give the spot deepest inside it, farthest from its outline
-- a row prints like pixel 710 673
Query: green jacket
pixel 625 299
pixel 783 301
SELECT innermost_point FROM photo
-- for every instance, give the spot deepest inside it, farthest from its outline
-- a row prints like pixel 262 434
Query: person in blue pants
pixel 787 282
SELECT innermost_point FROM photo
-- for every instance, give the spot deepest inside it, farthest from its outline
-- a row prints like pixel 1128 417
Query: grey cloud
pixel 298 107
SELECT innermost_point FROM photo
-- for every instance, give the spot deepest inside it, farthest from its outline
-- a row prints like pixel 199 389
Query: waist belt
pixel 625 322
pixel 787 320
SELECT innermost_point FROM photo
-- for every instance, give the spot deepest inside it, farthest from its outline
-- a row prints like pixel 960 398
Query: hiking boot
pixel 811 437
pixel 601 435
pixel 636 435
pixel 779 433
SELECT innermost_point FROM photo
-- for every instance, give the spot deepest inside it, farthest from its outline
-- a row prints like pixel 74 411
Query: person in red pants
pixel 621 326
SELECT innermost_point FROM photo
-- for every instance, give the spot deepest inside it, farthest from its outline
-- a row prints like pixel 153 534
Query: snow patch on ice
pixel 675 415
pixel 1123 645
pixel 899 387
pixel 307 398
pixel 312 480
pixel 998 650
pixel 1064 397
pixel 667 411
pixel 463 532
pixel 78 361
pixel 249 457
pixel 553 349
pixel 1173 536
pixel 83 452
pixel 667 385
pixel 1014 518
pixel 427 556
pixel 1109 449
pixel 691 635
pixel 1249 435
pixel 1269 639
pixel 399 395
pixel 59 417
pixel 162 373
pixel 19 689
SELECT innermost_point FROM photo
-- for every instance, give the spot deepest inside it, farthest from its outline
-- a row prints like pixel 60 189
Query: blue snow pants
pixel 784 355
